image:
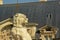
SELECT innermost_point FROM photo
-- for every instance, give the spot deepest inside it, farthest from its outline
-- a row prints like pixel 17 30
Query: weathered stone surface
pixel 21 32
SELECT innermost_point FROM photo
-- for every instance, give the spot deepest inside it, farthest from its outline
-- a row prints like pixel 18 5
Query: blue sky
pixel 20 1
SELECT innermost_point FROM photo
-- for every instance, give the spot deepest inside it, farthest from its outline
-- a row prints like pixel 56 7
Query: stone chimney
pixel 1 2
pixel 42 0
